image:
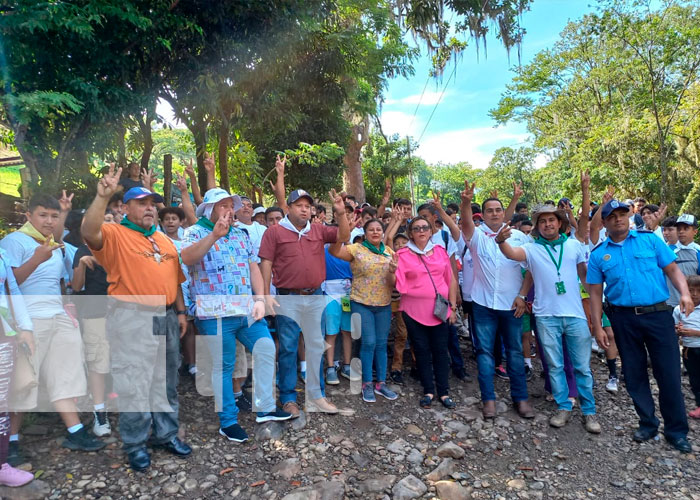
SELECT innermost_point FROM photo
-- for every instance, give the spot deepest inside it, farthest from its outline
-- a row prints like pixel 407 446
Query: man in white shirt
pixel 556 263
pixel 498 297
pixel 36 256
pixel 244 218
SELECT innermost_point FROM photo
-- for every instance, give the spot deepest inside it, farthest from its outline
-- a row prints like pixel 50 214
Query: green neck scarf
pixel 146 232
pixel 206 223
pixel 373 249
pixel 552 243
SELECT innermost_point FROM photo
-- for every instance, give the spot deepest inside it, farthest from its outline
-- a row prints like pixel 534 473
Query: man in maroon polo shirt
pixel 291 254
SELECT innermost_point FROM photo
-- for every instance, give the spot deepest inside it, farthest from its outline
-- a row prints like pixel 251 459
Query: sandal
pixel 425 402
pixel 448 403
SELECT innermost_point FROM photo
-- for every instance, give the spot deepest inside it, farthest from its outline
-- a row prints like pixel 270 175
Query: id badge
pixel 561 288
pixel 345 304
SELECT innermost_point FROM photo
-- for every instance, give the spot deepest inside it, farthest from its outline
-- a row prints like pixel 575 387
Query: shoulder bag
pixel 441 309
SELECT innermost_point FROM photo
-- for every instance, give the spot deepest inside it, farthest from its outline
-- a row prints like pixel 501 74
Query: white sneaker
pixel 611 386
pixel 100 426
pixel 595 347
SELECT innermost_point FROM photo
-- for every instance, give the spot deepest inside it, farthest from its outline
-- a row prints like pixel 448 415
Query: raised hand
pixel 436 200
pixel 397 214
pixel 585 179
pixel 189 169
pixel 181 184
pixel 66 201
pixel 494 193
pixel 517 190
pixel 387 192
pixel 109 184
pixel 222 226
pixel 609 194
pixel 209 164
pixel 337 201
pixel 149 177
pixel 280 165
pixel 468 193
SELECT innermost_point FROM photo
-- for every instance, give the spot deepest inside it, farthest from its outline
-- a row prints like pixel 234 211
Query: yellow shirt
pixel 370 276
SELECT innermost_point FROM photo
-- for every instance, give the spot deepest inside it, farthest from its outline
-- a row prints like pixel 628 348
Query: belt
pixel 296 291
pixel 661 306
pixel 121 304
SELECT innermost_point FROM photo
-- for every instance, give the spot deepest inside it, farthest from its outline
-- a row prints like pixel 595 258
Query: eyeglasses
pixel 420 229
pixel 155 246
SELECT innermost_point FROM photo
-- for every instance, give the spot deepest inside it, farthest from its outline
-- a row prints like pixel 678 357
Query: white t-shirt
pixel 497 279
pixel 255 233
pixel 691 322
pixel 544 273
pixel 467 270
pixel 42 289
pixel 439 238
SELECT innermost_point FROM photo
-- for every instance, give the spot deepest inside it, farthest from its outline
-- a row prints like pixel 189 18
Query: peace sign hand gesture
pixel 337 200
pixel 468 193
pixel 66 202
pixel 517 189
pixel 109 184
pixel 222 226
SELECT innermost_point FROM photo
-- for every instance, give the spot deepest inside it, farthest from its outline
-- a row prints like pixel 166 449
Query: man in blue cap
pixel 632 264
pixel 146 318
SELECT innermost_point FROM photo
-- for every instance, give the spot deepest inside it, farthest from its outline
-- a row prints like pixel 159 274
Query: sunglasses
pixel 420 229
pixel 156 248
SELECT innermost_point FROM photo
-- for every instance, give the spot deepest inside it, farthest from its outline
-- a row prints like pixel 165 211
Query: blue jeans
pixel 375 323
pixel 488 322
pixel 223 333
pixel 553 330
pixel 301 313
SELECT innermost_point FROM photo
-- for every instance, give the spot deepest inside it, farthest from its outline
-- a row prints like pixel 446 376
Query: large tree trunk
pixel 353 182
pixel 121 145
pixel 224 131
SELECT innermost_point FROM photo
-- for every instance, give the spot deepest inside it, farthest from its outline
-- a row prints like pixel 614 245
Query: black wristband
pixel 181 312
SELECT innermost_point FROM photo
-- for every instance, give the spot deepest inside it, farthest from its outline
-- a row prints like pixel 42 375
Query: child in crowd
pixel 688 327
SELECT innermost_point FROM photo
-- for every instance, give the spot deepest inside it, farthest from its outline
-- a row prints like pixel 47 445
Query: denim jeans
pixel 487 323
pixel 301 313
pixel 144 373
pixel 222 334
pixel 553 331
pixel 375 324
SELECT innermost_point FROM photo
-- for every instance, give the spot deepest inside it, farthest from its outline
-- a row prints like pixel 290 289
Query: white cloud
pixel 398 122
pixel 430 98
pixel 474 145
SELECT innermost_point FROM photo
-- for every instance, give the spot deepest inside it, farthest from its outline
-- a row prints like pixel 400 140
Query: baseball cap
pixel 477 216
pixel 136 193
pixel 297 194
pixel 688 219
pixel 612 205
pixel 259 210
pixel 214 196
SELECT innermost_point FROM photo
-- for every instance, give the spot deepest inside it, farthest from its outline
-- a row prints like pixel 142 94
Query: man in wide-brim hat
pixel 549 209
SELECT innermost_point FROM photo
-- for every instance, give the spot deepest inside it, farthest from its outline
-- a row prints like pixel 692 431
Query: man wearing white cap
pixel 259 216
pixel 227 290
pixel 687 253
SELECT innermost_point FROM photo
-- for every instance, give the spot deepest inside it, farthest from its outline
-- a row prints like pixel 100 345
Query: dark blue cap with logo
pixel 136 193
pixel 297 195
pixel 613 205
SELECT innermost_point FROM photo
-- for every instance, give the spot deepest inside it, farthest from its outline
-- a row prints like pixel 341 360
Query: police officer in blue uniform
pixel 632 264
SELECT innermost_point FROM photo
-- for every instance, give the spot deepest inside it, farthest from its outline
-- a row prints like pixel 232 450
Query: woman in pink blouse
pixel 428 334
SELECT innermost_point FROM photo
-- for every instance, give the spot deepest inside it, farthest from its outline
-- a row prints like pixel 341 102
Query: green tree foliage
pixel 611 97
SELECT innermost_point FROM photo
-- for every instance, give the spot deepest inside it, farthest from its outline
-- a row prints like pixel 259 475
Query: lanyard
pixel 551 257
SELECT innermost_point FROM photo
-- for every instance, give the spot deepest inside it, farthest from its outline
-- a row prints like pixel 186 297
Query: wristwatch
pixel 524 297
pixel 184 313
pixel 259 299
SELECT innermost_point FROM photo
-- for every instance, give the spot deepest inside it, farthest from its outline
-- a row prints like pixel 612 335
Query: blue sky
pixel 461 129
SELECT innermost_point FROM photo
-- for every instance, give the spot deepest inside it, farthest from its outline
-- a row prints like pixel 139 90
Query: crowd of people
pixel 111 300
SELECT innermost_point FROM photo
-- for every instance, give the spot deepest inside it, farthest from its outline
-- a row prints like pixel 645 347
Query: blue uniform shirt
pixel 632 269
pixel 336 268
